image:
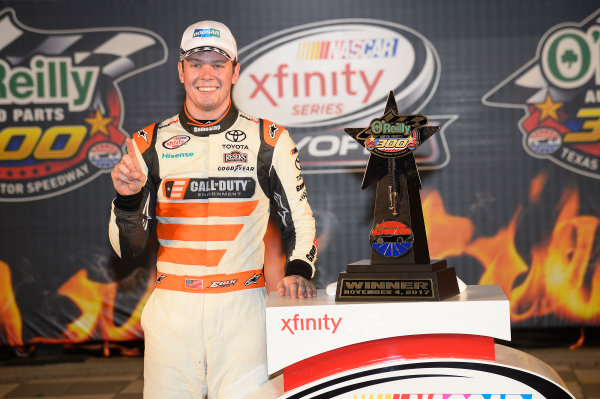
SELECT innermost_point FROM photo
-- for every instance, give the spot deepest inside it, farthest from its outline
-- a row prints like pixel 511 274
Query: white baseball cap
pixel 208 36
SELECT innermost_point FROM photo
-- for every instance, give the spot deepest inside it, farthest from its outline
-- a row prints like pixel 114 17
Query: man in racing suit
pixel 209 176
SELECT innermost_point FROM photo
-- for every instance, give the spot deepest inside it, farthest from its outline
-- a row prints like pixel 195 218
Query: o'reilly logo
pixel 48 80
pixel 60 106
pixel 559 93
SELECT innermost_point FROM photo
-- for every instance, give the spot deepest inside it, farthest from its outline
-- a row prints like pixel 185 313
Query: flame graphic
pixel 10 318
pixel 563 277
pixel 558 269
pixel 554 283
pixel 96 302
pixel 450 234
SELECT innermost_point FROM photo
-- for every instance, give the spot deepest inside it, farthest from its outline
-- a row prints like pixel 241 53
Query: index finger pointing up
pixel 134 165
pixel 130 148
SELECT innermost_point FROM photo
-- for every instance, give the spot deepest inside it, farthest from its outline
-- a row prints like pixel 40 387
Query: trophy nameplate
pixel 399 268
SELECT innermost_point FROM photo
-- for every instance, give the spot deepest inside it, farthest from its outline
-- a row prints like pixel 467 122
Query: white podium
pixel 400 350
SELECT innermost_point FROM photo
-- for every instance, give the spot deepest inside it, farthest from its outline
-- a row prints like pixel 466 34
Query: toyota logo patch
pixel 235 136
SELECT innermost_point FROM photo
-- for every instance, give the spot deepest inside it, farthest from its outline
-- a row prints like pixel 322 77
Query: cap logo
pixel 207 32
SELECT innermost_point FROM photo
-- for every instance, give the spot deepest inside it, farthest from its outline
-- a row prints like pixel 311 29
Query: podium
pixel 320 348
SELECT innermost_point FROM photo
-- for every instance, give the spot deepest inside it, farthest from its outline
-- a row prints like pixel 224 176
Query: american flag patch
pixel 194 283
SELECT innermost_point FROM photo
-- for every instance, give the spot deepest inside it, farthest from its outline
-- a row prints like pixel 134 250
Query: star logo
pixel 253 279
pixel 273 130
pixel 548 108
pixel 98 123
pixel 283 211
pixel 143 134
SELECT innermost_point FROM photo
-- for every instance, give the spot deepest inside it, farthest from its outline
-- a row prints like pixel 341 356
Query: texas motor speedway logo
pixel 60 106
pixel 320 78
pixel 559 90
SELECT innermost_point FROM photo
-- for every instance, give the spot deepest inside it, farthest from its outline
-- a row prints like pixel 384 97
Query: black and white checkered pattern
pixel 412 120
pixel 118 51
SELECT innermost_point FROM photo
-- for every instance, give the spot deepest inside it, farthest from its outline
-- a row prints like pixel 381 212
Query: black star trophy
pixel 400 268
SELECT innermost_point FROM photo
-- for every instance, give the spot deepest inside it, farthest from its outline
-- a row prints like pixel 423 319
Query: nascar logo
pixel 336 73
pixel 340 71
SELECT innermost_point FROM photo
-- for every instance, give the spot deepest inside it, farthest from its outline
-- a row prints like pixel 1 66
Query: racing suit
pixel 210 188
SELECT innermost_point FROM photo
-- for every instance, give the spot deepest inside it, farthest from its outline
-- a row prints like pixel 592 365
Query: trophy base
pixel 364 281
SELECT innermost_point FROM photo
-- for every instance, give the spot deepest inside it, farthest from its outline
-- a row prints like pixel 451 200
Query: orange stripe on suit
pixel 205 209
pixel 190 256
pixel 187 232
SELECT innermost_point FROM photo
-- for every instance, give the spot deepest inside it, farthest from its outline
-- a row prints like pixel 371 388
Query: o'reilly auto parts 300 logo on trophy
pixel 60 106
pixel 559 90
pixel 390 137
pixel 319 78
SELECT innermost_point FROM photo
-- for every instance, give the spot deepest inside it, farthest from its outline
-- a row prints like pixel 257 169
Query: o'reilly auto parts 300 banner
pixel 510 182
pixel 62 105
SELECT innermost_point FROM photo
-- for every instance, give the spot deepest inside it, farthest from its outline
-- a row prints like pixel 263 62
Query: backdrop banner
pixel 510 183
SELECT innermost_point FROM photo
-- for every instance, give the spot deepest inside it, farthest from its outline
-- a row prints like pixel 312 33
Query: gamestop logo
pixel 320 78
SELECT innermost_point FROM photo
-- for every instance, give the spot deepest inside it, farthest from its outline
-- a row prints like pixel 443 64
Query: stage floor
pixel 93 376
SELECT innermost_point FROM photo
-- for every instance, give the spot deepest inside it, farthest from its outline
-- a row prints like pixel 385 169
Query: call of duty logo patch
pixel 559 91
pixel 60 105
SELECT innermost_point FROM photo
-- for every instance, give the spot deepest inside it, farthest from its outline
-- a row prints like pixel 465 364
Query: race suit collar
pixel 198 128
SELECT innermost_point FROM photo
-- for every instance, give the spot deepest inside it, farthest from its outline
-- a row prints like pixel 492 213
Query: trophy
pixel 400 268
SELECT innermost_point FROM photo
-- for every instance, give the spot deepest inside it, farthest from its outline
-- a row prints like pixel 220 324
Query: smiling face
pixel 207 77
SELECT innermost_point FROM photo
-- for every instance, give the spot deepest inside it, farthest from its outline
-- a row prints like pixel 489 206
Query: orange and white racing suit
pixel 210 187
